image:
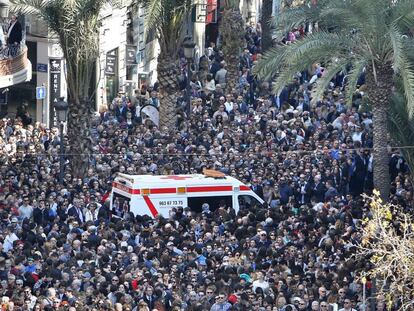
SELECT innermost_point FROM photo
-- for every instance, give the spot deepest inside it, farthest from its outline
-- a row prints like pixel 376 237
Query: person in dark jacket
pixel 318 189
pixel 303 189
pixel 149 297
pixel 359 169
pixel 14 34
pixel 76 211
pixel 257 188
pixel 42 215
pixel 286 191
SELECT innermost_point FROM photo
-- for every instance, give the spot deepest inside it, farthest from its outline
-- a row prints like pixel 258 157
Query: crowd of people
pixel 62 248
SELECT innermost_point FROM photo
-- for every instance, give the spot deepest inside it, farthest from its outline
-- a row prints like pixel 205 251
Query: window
pixel 120 205
pixel 245 201
pixel 214 202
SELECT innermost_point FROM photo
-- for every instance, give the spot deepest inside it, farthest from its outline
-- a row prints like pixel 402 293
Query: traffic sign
pixel 41 67
pixel 41 92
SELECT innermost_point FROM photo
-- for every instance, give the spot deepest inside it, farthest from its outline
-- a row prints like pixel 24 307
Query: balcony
pixel 15 67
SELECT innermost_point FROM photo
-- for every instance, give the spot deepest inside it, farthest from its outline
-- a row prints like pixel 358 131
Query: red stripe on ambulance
pixel 163 190
pixel 151 206
pixel 174 190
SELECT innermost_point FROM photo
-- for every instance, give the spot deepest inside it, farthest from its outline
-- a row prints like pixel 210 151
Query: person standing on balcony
pixel 14 35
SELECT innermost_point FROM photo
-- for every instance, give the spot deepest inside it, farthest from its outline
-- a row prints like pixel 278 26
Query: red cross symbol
pixel 176 177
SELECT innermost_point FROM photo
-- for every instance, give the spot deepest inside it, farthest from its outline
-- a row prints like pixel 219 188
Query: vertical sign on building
pixel 130 55
pixel 111 73
pixel 111 62
pixel 55 84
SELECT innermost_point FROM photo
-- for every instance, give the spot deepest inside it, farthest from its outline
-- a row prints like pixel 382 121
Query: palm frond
pixel 284 76
pixel 403 14
pixel 29 7
pixel 323 42
pixel 270 63
pixel 352 79
pixel 397 45
pixel 165 19
pixel 330 72
pixel 317 47
pixel 153 16
pixel 401 127
pixel 406 72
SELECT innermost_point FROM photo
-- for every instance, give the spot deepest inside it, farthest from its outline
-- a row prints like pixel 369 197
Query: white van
pixel 152 195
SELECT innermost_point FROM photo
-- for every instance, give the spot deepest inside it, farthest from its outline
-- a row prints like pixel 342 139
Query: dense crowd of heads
pixel 63 248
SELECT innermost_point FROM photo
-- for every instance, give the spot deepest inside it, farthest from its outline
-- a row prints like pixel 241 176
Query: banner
pixel 55 85
pixel 55 75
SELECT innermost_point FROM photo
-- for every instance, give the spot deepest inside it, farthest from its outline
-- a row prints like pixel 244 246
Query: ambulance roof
pixel 176 180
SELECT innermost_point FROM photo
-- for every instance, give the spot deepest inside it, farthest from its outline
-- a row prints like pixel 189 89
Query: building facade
pixel 46 68
pixel 126 59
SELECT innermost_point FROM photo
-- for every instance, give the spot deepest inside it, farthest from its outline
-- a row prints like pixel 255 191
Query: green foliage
pixel 402 127
pixel 165 18
pixel 353 34
pixel 76 24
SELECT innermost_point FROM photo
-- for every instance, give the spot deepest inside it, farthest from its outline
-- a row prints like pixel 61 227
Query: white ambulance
pixel 153 195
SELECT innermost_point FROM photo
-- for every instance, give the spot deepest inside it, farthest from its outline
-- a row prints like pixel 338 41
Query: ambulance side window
pixel 214 202
pixel 120 205
pixel 246 201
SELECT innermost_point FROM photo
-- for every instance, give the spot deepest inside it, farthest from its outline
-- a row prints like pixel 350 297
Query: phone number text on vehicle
pixel 171 203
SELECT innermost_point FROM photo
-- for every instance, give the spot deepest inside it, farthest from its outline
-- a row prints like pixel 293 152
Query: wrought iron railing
pixel 13 59
pixel 11 51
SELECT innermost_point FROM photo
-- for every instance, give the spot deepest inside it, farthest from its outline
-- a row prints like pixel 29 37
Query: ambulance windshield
pixel 120 205
pixel 246 201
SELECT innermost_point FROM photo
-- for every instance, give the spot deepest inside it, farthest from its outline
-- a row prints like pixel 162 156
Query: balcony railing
pixel 12 59
pixel 15 67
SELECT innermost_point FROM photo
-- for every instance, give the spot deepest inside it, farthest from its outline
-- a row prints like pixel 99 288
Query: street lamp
pixel 189 46
pixel 61 107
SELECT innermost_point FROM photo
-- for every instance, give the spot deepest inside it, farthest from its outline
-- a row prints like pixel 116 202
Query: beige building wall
pixel 251 10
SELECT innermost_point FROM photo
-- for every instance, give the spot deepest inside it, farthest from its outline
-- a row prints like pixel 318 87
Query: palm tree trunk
pixel 379 94
pixel 167 78
pixel 232 31
pixel 79 136
pixel 232 72
pixel 266 28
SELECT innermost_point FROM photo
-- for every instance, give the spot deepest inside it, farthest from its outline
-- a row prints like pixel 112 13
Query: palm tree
pixel 231 34
pixel 354 34
pixel 76 25
pixel 165 19
pixel 266 27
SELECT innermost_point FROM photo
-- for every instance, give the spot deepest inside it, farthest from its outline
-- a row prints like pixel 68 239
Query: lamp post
pixel 61 107
pixel 189 46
